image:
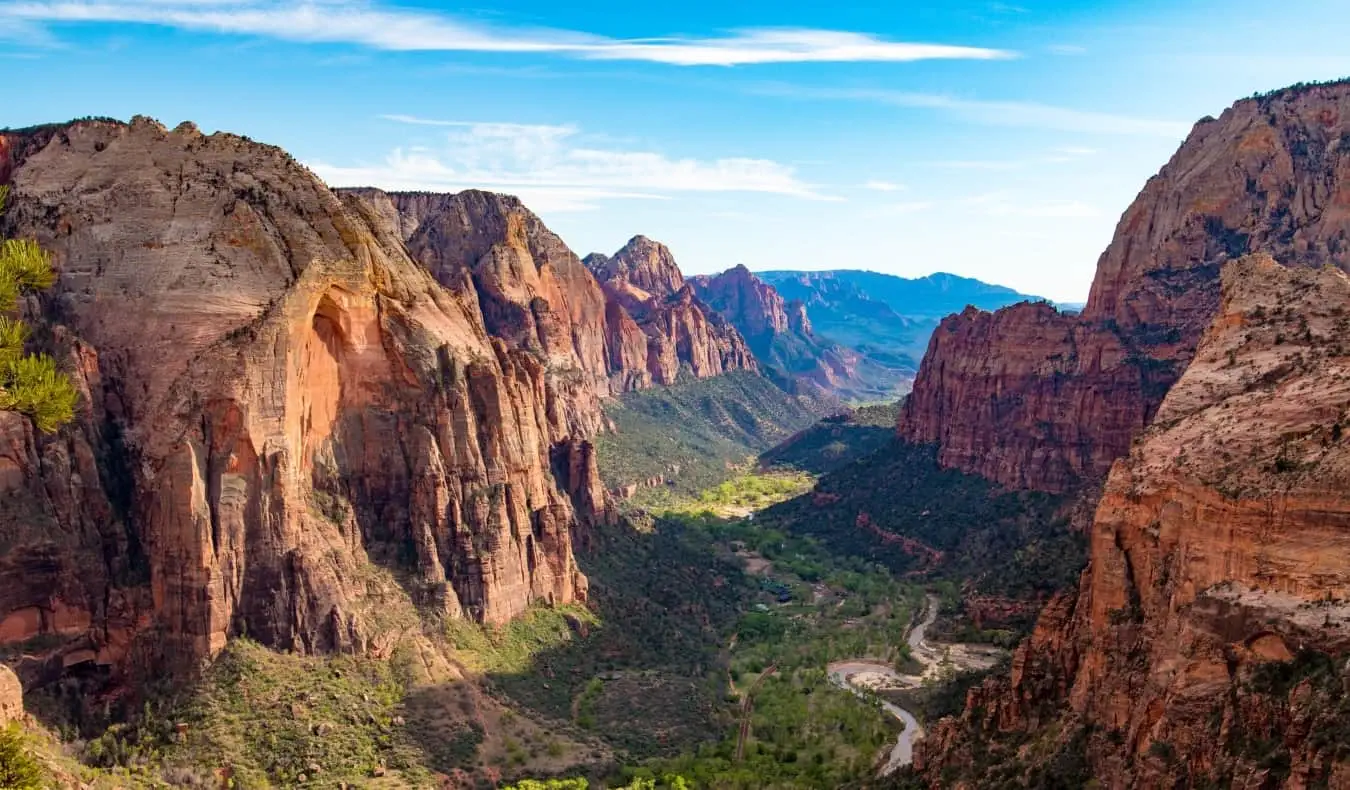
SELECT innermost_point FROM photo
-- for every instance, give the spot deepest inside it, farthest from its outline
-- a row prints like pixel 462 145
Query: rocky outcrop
pixel 780 335
pixel 1209 635
pixel 11 696
pixel 1030 397
pixel 751 304
pixel 1048 399
pixel 649 297
pixel 643 265
pixel 282 412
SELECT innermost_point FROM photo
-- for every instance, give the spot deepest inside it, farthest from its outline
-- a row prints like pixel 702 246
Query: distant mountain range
pixel 883 316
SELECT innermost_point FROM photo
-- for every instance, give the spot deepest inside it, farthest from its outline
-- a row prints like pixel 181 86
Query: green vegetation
pixel 271 720
pixel 899 508
pixel 29 383
pixel 748 491
pixel 836 441
pixel 666 782
pixel 512 646
pixel 696 432
pixel 19 769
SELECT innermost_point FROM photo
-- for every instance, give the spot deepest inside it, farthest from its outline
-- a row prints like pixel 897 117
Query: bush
pixel 19 769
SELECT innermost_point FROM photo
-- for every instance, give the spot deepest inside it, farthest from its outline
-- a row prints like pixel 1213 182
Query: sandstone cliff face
pixel 283 412
pixel 754 306
pixel 1209 633
pixel 648 295
pixel 1030 397
pixel 1271 174
pixel 642 264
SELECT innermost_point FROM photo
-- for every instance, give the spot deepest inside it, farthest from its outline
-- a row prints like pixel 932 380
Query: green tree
pixel 29 383
pixel 550 784
pixel 19 770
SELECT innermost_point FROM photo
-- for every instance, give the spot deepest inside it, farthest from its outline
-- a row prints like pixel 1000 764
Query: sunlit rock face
pixel 1034 399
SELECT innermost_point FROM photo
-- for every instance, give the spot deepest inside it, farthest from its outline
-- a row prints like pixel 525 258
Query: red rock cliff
pixel 283 412
pixel 1207 641
pixel 1034 399
pixel 648 295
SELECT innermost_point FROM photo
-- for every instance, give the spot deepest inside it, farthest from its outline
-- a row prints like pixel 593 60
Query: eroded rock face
pixel 11 696
pixel 1271 174
pixel 283 411
pixel 648 296
pixel 780 335
pixel 641 264
pixel 1030 397
pixel 1220 546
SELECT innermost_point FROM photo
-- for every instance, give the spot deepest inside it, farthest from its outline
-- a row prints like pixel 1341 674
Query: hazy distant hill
pixel 882 314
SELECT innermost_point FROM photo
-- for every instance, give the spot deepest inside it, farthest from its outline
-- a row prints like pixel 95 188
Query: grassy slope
pixel 696 432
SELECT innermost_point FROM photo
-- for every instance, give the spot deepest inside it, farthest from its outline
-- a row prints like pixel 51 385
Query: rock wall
pixel 1207 640
pixel 648 297
pixel 1035 400
pixel 283 412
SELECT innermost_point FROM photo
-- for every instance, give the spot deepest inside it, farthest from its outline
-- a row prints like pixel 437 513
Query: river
pixel 842 674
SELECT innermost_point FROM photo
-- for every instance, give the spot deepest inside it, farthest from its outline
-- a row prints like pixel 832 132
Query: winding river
pixel 842 674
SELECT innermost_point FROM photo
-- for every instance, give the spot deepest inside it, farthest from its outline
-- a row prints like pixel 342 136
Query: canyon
pixel 1033 397
pixel 1204 383
pixel 340 422
pixel 302 408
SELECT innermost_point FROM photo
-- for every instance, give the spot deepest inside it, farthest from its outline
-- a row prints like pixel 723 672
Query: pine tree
pixel 29 383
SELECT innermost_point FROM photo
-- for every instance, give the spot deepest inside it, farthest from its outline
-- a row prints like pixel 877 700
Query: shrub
pixel 19 769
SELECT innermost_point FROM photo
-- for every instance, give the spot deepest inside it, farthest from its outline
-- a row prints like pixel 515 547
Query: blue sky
pixel 998 140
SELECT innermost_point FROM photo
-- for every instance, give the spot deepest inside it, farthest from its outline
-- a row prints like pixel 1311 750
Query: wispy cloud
pixel 551 168
pixel 389 28
pixel 1066 49
pixel 25 32
pixel 995 113
pixel 883 186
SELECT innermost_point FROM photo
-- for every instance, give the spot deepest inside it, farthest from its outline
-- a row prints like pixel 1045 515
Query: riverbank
pixel 866 677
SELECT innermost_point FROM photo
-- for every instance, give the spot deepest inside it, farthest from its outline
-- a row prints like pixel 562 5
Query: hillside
pixel 692 435
pixel 790 350
pixel 884 316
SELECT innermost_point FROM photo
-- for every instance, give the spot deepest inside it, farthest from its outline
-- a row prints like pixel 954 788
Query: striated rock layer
pixel 285 407
pixel 1207 640
pixel 1032 398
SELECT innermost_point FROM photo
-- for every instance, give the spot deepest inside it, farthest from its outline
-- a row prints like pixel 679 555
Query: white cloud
pixel 552 170
pixel 883 186
pixel 25 33
pixel 363 24
pixel 995 113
